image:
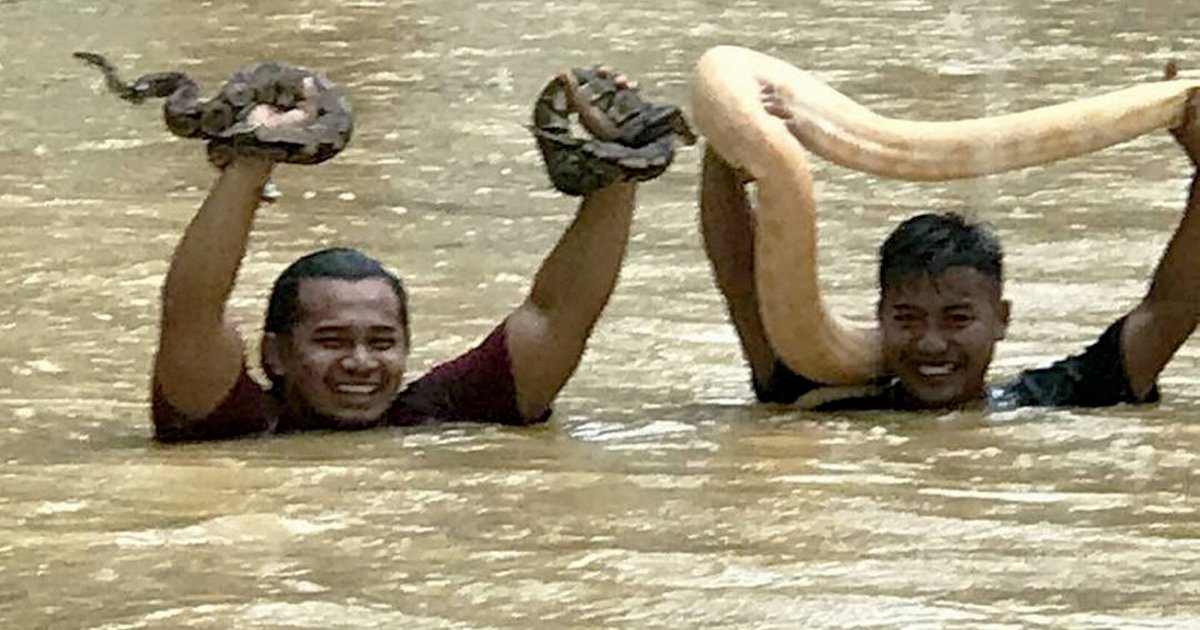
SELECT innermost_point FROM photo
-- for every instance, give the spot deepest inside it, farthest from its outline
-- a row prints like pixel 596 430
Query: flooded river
pixel 657 496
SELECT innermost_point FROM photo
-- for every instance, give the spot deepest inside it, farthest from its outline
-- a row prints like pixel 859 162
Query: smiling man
pixel 941 308
pixel 336 339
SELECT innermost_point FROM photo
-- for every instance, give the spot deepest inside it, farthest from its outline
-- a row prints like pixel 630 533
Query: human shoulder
pixel 476 386
pixel 247 410
pixel 1095 377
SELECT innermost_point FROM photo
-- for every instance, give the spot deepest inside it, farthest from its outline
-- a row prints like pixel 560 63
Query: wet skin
pixel 939 333
pixel 343 362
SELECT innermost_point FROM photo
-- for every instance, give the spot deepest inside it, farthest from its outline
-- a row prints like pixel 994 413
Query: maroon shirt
pixel 477 386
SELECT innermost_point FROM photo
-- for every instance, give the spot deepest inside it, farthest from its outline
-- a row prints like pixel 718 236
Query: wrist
pixel 250 168
pixel 618 188
pixel 722 168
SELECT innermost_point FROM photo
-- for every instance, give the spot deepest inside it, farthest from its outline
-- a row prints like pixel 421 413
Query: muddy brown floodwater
pixel 657 497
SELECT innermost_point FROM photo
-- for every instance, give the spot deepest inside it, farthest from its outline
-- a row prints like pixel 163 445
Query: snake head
pixel 614 112
pixel 592 101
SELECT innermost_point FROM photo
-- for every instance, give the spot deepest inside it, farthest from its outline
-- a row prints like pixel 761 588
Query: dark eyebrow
pixel 330 328
pixel 341 329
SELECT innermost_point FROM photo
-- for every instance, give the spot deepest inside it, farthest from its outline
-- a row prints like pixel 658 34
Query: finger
pixel 290 117
pixel 621 79
pixel 779 112
pixel 261 114
pixel 310 88
pixel 777 108
pixel 1170 70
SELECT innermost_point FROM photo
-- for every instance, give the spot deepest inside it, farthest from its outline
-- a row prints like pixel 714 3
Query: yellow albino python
pixel 727 109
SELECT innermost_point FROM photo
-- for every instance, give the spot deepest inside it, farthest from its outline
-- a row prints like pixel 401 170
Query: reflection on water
pixel 656 497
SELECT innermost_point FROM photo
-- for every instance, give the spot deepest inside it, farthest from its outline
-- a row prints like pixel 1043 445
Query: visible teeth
pixel 936 370
pixel 355 389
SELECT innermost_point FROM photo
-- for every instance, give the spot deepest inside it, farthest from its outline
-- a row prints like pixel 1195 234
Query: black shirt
pixel 1094 378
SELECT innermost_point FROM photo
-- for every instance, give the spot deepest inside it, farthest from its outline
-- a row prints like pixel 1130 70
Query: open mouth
pixel 356 389
pixel 934 370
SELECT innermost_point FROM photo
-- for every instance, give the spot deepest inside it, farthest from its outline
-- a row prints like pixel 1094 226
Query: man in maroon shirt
pixel 336 338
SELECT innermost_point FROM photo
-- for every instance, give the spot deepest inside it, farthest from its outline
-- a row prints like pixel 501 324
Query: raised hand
pixel 774 103
pixel 630 138
pixel 301 115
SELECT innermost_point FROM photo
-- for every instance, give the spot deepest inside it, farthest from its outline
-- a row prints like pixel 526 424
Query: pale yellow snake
pixel 727 109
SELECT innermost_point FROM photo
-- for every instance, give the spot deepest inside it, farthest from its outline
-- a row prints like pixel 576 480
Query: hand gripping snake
pixel 225 121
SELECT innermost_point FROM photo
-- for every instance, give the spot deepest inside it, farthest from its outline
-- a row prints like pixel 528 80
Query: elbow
pixel 1182 312
pixel 1170 321
pixel 530 418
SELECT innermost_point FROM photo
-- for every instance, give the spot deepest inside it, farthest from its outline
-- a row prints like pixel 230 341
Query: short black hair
pixel 929 244
pixel 338 263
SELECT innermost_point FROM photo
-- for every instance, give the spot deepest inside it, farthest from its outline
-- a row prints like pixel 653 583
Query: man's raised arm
pixel 633 140
pixel 547 334
pixel 200 355
pixel 1168 314
pixel 727 224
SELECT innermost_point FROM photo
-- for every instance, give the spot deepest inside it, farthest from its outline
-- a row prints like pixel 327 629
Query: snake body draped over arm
pixel 727 109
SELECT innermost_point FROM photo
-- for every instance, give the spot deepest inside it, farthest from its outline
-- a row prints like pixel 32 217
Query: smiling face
pixel 342 362
pixel 939 332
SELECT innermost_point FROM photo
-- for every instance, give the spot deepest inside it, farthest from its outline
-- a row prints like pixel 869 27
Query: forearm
pixel 727 225
pixel 199 357
pixel 1174 281
pixel 575 280
pixel 205 263
pixel 547 335
pixel 1168 314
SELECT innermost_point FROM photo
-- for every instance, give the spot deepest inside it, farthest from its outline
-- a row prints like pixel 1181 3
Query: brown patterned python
pixel 224 119
pixel 630 137
pixel 727 109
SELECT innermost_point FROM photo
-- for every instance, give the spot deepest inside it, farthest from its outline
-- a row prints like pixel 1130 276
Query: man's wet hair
pixel 337 263
pixel 929 244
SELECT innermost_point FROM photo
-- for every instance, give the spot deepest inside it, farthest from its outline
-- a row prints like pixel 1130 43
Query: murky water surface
pixel 657 496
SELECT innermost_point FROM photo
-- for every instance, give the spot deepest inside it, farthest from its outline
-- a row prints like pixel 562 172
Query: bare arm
pixel 199 354
pixel 547 334
pixel 727 224
pixel 1168 314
